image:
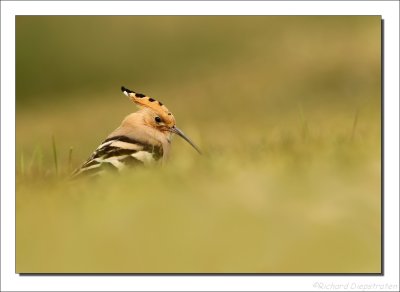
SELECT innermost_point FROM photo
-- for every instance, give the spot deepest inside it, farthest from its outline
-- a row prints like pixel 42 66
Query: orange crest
pixel 157 106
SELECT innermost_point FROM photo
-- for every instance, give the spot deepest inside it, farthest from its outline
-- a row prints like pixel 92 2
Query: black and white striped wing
pixel 117 153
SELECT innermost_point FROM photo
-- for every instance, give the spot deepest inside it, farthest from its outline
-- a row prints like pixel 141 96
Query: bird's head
pixel 156 115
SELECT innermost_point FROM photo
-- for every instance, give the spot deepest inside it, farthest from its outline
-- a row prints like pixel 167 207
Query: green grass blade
pixel 33 160
pixel 353 130
pixel 70 159
pixel 40 160
pixel 55 154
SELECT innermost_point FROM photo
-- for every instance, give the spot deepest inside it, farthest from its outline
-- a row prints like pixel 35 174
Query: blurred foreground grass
pixel 285 109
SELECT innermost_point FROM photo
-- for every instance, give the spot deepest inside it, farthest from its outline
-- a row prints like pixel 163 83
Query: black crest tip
pixel 124 89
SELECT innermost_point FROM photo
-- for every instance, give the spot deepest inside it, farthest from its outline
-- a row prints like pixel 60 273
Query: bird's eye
pixel 157 119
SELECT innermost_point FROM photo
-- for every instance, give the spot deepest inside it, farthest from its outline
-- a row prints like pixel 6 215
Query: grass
pixel 252 208
pixel 53 144
pixel 290 179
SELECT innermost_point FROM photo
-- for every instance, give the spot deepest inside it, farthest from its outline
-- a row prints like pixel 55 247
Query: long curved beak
pixel 180 133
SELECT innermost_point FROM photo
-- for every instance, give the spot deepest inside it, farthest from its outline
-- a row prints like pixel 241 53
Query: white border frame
pixel 13 282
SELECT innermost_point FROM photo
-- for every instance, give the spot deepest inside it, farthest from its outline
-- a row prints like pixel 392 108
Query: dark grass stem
pixel 70 159
pixel 353 130
pixel 55 154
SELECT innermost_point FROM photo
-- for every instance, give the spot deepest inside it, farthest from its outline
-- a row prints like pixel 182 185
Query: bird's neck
pixel 134 127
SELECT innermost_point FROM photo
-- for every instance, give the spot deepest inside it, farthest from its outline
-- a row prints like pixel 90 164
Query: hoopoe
pixel 142 138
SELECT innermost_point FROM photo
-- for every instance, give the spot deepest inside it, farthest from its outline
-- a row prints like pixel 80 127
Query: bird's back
pixel 117 153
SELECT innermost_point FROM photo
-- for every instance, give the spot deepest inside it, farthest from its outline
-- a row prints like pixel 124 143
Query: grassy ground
pixel 285 109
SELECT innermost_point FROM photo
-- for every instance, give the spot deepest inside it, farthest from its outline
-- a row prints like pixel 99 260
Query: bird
pixel 143 138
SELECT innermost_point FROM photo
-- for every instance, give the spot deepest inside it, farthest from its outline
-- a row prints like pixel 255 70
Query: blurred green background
pixel 287 110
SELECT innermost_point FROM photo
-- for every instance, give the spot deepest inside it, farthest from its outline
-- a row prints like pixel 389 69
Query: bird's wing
pixel 117 153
